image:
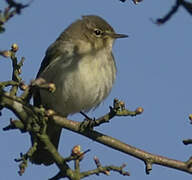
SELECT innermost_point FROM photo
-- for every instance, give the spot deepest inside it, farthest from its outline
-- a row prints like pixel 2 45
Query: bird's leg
pixel 88 122
pixel 85 115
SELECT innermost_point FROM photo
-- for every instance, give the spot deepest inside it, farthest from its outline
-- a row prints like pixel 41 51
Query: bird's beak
pixel 115 36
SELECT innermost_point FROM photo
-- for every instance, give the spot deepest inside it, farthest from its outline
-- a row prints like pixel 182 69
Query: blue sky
pixel 154 71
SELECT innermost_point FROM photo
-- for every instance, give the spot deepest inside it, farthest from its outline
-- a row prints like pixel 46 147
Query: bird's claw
pixel 88 123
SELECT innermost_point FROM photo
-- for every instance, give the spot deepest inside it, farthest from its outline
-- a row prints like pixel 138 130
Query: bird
pixel 81 65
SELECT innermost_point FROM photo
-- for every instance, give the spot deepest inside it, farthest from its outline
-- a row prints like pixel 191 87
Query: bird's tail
pixel 41 155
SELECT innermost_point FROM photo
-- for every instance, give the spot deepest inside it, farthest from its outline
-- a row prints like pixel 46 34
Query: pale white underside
pixel 80 86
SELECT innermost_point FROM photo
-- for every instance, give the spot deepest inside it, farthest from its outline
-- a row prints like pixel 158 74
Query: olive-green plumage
pixel 81 65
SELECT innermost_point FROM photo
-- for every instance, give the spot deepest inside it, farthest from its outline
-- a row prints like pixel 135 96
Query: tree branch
pixel 174 9
pixel 34 120
pixel 20 110
pixel 9 12
pixel 121 146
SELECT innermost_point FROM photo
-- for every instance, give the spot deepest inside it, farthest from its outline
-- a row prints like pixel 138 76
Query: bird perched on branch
pixel 81 65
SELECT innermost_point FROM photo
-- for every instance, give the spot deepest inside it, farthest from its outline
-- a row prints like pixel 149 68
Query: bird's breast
pixel 86 85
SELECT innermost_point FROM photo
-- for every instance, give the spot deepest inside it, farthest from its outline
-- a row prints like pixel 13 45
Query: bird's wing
pixel 58 51
pixel 52 53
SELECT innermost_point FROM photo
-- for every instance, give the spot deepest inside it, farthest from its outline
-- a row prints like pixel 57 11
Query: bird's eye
pixel 97 32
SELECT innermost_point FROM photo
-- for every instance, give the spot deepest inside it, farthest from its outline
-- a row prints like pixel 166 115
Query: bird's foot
pixel 88 122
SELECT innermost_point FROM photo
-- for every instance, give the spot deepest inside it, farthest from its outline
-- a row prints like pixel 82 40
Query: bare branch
pixel 118 109
pixel 121 146
pixel 9 12
pixel 34 120
pixel 174 9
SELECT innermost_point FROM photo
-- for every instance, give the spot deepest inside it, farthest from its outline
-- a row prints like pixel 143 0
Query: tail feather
pixel 42 155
